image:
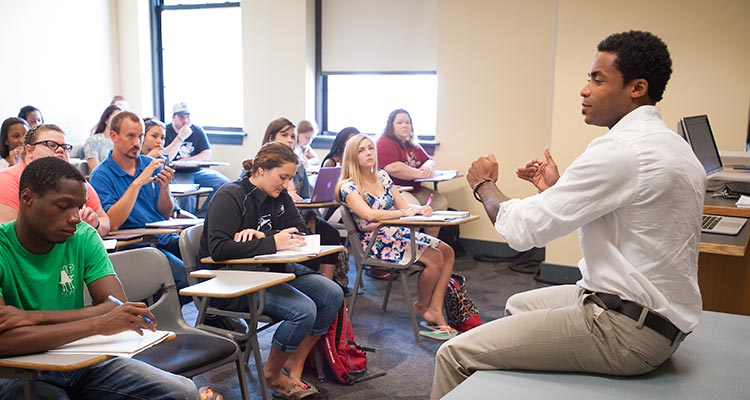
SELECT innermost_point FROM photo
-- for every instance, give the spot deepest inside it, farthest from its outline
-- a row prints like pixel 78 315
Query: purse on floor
pixel 460 312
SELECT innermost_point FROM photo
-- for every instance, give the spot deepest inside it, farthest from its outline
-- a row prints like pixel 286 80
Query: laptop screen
pixel 698 132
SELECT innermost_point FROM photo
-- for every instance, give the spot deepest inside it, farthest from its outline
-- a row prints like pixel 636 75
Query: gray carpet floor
pixel 409 366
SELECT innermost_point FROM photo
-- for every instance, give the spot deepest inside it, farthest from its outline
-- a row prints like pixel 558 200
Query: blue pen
pixel 119 303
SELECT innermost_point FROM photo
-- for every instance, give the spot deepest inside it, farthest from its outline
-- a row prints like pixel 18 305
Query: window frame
pixel 216 134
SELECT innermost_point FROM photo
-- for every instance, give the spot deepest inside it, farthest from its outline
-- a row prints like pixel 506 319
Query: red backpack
pixel 343 360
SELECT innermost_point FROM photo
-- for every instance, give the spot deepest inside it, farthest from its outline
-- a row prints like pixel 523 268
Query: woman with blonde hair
pixel 371 196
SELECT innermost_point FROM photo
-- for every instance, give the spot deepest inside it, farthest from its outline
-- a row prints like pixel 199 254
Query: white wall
pixel 61 57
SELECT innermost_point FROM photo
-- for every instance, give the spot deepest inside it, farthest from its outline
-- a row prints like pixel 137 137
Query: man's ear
pixel 27 197
pixel 639 88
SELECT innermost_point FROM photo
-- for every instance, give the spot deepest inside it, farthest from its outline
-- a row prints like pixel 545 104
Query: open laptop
pixel 697 131
pixel 325 186
pixel 722 225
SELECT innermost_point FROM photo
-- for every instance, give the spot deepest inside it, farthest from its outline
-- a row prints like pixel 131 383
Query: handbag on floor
pixel 460 312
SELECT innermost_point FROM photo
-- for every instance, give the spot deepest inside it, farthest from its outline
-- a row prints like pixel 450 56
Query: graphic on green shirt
pixel 67 287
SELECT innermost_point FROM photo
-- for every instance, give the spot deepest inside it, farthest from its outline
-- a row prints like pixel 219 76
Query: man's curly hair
pixel 44 174
pixel 641 55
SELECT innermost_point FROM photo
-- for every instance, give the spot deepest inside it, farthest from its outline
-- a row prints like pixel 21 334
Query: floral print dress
pixel 393 242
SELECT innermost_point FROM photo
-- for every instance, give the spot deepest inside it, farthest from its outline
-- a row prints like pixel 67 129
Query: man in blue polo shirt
pixel 192 144
pixel 134 189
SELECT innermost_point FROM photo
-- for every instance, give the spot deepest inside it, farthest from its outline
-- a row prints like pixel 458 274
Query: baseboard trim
pixel 558 274
pixel 501 250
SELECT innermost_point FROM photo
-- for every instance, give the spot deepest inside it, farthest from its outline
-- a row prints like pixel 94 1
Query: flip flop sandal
pixel 439 334
pixel 209 394
pixel 430 326
pixel 310 393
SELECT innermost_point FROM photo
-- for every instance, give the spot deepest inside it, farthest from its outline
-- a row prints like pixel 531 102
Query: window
pixel 198 60
pixel 364 100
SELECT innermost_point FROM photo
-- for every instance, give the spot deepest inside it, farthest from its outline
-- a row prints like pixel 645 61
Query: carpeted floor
pixel 409 366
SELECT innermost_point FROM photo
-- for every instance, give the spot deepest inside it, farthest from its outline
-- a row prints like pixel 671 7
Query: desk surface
pixel 197 192
pixel 322 204
pixel 225 283
pixel 711 363
pixel 144 231
pixel 457 221
pixel 53 361
pixel 325 250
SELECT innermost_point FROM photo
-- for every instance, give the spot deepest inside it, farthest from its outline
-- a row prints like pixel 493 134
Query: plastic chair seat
pixel 187 352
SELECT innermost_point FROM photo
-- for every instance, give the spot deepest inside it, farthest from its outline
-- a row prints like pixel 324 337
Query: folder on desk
pixel 311 248
pixel 124 344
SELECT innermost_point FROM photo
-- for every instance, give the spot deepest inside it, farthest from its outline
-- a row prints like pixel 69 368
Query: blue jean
pixel 205 177
pixel 119 378
pixel 307 305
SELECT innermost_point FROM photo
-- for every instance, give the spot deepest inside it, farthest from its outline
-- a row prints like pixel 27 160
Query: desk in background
pixel 724 262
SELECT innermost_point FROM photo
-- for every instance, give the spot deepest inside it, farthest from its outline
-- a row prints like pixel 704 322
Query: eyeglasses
pixel 52 145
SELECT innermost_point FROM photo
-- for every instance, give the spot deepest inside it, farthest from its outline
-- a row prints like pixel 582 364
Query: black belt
pixel 632 310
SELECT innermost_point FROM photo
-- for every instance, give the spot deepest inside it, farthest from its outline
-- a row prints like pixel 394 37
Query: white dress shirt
pixel 636 193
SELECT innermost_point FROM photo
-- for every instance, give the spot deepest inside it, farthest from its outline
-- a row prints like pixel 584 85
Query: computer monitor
pixel 698 133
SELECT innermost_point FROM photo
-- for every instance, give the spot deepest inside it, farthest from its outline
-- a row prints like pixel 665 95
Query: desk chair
pixel 363 258
pixel 190 239
pixel 194 351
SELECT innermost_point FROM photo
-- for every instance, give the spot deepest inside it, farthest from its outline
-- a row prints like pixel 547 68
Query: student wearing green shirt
pixel 47 256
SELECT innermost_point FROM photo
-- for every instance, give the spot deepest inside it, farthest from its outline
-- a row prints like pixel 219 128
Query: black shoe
pixel 226 323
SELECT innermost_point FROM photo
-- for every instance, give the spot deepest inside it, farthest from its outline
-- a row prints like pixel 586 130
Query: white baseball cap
pixel 180 108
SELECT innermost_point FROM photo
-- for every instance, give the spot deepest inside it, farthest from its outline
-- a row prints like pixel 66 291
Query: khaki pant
pixel 557 328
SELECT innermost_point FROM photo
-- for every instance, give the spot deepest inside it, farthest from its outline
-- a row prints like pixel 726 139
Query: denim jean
pixel 205 177
pixel 307 305
pixel 119 378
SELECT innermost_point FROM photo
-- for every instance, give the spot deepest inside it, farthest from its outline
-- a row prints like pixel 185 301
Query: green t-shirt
pixel 53 281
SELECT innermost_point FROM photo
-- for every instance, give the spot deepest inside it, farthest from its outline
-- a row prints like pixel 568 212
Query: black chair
pixel 145 271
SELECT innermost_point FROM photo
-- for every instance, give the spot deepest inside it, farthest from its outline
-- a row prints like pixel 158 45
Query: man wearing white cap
pixel 189 142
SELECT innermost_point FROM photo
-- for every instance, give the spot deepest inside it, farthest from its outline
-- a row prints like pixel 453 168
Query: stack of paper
pixel 311 248
pixel 438 216
pixel 124 344
pixel 743 202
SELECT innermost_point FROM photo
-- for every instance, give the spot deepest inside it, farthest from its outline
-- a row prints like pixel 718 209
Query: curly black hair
pixel 641 55
pixel 44 174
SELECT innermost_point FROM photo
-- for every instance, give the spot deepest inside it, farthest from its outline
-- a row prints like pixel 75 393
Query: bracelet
pixel 476 188
pixel 98 224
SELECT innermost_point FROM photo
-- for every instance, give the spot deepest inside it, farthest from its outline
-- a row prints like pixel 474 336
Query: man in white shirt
pixel 636 194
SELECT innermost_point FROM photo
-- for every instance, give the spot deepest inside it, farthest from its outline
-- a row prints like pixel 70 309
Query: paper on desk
pixel 440 175
pixel 311 248
pixel 175 223
pixel 743 202
pixel 124 344
pixel 438 216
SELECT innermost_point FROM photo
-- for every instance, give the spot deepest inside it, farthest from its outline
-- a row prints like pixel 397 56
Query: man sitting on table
pixel 134 189
pixel 46 140
pixel 636 194
pixel 192 144
pixel 46 256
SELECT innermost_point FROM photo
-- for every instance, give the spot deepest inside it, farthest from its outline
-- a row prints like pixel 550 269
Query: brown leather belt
pixel 632 310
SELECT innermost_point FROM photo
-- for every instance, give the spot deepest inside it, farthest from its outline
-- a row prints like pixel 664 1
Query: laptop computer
pixel 722 225
pixel 325 186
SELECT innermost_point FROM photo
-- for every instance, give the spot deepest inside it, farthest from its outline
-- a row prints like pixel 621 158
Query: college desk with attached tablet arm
pixel 228 283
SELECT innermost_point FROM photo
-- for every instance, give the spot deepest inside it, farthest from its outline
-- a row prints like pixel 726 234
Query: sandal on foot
pixel 442 334
pixel 430 326
pixel 209 394
pixel 310 392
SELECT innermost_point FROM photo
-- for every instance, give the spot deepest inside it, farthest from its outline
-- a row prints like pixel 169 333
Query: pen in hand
pixel 119 303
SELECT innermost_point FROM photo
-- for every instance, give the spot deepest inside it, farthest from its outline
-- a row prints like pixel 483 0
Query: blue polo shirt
pixel 111 182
